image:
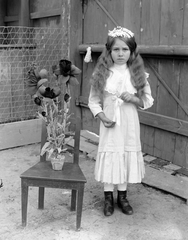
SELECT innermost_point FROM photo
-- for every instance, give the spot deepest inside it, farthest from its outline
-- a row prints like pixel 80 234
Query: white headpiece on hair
pixel 120 32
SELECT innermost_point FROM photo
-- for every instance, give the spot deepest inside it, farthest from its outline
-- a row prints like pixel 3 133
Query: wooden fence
pixel 161 31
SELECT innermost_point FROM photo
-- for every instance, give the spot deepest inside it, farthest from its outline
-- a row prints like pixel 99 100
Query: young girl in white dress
pixel 118 87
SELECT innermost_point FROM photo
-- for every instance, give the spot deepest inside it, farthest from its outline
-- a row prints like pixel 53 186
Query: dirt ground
pixel 157 215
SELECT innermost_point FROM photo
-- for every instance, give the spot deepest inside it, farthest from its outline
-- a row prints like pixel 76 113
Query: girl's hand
pixel 106 121
pixel 128 97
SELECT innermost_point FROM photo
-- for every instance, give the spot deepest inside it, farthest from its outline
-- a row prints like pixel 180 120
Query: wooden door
pixel 161 32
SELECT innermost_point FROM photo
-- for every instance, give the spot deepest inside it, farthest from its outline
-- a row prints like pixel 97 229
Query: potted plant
pixel 55 113
pixel 57 124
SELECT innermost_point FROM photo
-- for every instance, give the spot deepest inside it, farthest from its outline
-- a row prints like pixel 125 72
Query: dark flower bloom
pixel 51 92
pixel 37 101
pixel 65 67
pixel 66 97
pixel 43 113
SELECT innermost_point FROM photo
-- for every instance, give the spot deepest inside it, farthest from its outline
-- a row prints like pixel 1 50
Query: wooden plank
pixel 107 13
pixel 168 88
pixel 85 146
pixel 47 13
pixel 147 138
pixel 163 122
pixel 102 16
pixel 75 35
pixel 171 22
pixel 163 50
pixel 85 85
pixel 132 17
pixel 24 19
pixel 182 171
pixel 89 122
pixel 12 9
pixel 150 22
pixel 183 88
pixel 165 181
pixel 164 145
pixel 116 11
pixel 20 133
pixel 2 12
pixel 5 88
pixel 11 18
pixel 180 156
pixel 185 25
pixel 153 80
pixel 90 136
pixel 41 6
pixel 167 104
pixel 147 133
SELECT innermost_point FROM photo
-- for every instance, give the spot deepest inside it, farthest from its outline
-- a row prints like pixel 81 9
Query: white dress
pixel 119 157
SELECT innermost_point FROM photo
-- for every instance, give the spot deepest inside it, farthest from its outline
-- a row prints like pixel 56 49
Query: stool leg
pixel 24 201
pixel 73 200
pixel 41 198
pixel 79 207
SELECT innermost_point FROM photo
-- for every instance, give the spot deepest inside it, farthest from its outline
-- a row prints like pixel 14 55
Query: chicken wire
pixel 19 48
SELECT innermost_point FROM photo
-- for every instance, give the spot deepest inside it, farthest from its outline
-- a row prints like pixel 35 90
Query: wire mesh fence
pixel 19 48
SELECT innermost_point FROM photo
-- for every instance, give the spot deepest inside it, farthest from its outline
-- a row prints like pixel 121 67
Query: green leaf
pixel 44 148
pixel 50 152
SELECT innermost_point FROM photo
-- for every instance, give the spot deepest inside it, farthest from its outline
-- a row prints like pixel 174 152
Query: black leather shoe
pixel 123 203
pixel 108 203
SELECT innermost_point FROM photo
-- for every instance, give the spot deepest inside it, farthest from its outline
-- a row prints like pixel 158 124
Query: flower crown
pixel 120 32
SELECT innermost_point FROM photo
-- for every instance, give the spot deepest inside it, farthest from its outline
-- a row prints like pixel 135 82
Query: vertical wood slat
pixel 185 25
pixel 12 9
pixel 24 15
pixel 164 142
pixel 181 146
pixel 132 17
pixel 2 12
pixel 95 16
pixel 171 22
pixel 5 88
pixel 148 133
pixel 107 13
pixel 75 38
pixel 150 22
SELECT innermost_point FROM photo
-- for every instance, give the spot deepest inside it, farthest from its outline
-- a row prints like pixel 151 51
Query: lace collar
pixel 119 80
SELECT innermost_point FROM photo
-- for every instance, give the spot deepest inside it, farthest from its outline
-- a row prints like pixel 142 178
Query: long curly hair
pixel 135 65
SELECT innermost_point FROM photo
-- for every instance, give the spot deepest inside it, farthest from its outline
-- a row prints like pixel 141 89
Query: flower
pixel 120 32
pixel 54 113
pixel 37 84
pixel 68 71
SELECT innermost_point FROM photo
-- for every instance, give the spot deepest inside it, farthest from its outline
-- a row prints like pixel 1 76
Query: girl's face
pixel 120 52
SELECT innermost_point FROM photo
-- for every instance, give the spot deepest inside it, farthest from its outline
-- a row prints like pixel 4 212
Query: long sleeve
pixel 146 97
pixel 95 104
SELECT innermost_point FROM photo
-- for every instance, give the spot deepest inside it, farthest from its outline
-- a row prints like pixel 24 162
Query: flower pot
pixel 58 162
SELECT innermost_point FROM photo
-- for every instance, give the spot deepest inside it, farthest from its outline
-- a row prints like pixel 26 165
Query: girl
pixel 118 87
